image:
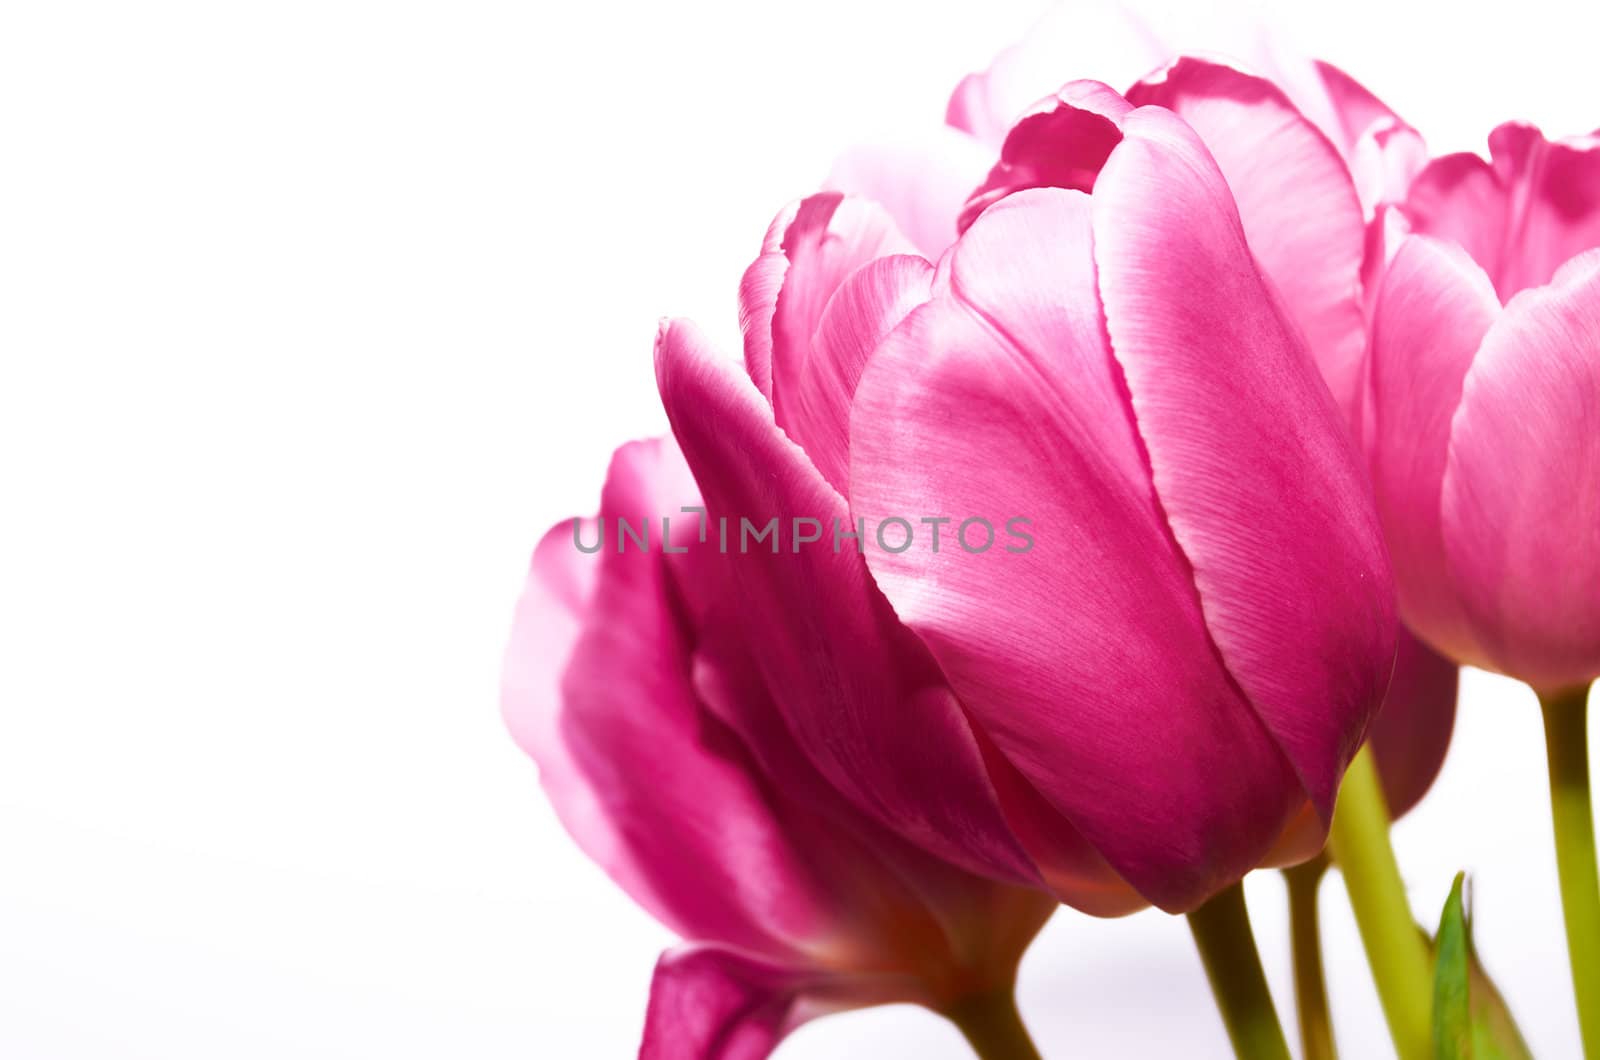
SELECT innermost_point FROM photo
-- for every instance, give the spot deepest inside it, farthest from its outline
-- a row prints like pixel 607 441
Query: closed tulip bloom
pixel 1485 394
pixel 1142 704
pixel 625 674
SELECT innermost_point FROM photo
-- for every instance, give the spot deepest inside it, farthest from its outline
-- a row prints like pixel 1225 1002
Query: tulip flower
pixel 1133 719
pixel 623 672
pixel 1484 397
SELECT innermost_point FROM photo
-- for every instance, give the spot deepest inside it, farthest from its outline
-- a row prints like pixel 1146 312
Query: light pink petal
pixel 1251 459
pixel 597 689
pixel 1521 506
pixel 1098 39
pixel 1433 308
pixel 1521 218
pixel 1412 732
pixel 851 682
pixel 923 183
pixel 1384 152
pixel 1084 659
pixel 1554 192
pixel 1301 215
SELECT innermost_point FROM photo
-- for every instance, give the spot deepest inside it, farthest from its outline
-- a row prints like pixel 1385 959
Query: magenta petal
pixel 1412 732
pixel 1521 503
pixel 649 788
pixel 850 680
pixel 1383 152
pixel 1433 307
pixel 1237 422
pixel 922 183
pixel 709 1003
pixel 1084 659
pixel 1299 208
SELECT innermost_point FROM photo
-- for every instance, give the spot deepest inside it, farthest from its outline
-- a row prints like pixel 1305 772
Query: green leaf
pixel 1470 1018
pixel 1452 981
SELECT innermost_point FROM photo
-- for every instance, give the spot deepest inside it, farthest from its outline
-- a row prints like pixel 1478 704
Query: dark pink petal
pixel 1433 308
pixel 709 1003
pixel 923 183
pixel 597 689
pixel 1084 659
pixel 1412 732
pixel 1521 217
pixel 1300 211
pixel 1251 459
pixel 850 681
pixel 1521 505
pixel 1061 143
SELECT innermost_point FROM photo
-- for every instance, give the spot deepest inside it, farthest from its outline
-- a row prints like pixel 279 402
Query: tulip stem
pixel 1222 934
pixel 1396 950
pixel 1566 733
pixel 992 1026
pixel 1305 935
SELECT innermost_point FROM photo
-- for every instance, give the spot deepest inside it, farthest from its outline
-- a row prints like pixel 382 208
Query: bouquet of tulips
pixel 1112 487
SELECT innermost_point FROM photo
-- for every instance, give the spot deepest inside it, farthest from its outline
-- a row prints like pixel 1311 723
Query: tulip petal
pixel 1099 39
pixel 851 682
pixel 922 183
pixel 1250 457
pixel 1061 143
pixel 824 239
pixel 1433 307
pixel 1412 732
pixel 708 1003
pixel 1521 504
pixel 1521 217
pixel 1085 659
pixel 1383 152
pixel 1300 211
pixel 648 784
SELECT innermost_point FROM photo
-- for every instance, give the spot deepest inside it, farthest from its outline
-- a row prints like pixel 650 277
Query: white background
pixel 314 316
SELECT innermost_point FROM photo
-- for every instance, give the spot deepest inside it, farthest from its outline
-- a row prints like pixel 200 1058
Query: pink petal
pixel 1085 660
pixel 1251 458
pixel 596 688
pixel 1534 208
pixel 923 183
pixel 849 679
pixel 1521 505
pixel 1412 732
pixel 1383 152
pixel 708 1003
pixel 1061 143
pixel 823 241
pixel 862 311
pixel 1299 208
pixel 1432 310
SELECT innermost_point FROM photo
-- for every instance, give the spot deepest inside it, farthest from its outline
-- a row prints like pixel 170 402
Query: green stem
pixel 1222 934
pixel 1305 935
pixel 993 1026
pixel 1566 734
pixel 1396 950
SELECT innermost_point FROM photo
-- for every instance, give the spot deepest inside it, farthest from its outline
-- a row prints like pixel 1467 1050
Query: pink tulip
pixel 626 677
pixel 1484 398
pixel 1146 700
